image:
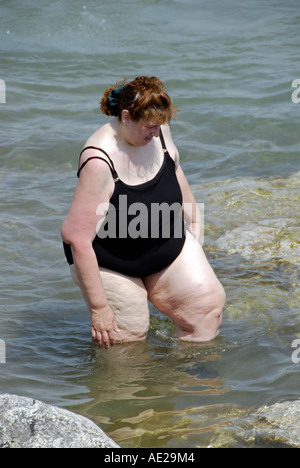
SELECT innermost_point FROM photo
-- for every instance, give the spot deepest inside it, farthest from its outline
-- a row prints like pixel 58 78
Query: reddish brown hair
pixel 144 98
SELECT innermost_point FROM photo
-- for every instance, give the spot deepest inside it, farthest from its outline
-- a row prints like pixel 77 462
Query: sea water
pixel 232 70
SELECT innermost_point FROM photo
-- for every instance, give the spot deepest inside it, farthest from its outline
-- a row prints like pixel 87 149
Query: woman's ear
pixel 125 116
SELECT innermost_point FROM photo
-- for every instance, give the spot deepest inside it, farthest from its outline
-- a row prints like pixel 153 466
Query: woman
pixel 120 254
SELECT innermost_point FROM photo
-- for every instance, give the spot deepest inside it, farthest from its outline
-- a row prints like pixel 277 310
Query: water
pixel 229 67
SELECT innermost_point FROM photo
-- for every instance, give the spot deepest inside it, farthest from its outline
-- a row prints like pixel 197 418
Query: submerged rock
pixel 276 426
pixel 256 218
pixel 28 423
pixel 263 241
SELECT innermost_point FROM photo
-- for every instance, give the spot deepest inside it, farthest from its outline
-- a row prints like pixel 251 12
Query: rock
pixel 262 241
pixel 276 426
pixel 28 423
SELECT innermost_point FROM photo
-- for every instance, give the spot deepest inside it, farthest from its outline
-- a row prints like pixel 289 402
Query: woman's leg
pixel 189 293
pixel 128 299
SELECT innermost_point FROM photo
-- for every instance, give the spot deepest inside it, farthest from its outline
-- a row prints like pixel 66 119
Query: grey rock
pixel 275 426
pixel 28 423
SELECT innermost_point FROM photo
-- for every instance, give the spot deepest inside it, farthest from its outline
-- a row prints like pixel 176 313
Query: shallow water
pixel 229 67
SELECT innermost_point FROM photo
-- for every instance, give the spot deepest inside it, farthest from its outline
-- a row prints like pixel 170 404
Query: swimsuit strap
pixel 110 163
pixel 163 144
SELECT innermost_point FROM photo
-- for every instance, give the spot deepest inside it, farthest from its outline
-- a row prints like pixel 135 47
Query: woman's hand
pixel 104 327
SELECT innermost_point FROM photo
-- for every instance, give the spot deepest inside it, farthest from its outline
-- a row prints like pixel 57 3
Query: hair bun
pixel 144 97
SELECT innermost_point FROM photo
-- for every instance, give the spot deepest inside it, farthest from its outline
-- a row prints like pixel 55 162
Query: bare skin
pixel 187 291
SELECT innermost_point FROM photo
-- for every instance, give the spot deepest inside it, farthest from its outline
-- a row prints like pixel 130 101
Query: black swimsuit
pixel 143 231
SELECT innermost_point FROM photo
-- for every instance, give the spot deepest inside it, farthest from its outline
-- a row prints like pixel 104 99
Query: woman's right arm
pixel 79 230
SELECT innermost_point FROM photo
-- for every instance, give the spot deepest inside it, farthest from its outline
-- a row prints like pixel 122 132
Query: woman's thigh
pixel 189 292
pixel 128 299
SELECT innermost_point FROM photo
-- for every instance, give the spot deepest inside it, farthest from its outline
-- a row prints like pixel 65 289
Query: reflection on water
pixel 156 380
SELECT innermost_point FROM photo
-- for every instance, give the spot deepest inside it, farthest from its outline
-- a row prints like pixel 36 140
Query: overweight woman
pixel 132 232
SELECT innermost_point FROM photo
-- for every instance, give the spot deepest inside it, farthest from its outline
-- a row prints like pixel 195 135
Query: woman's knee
pixel 211 301
pixel 132 328
pixel 128 299
pixel 217 295
pixel 200 318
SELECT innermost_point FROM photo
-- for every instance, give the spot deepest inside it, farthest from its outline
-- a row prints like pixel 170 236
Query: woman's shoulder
pixel 95 150
pixel 102 136
pixel 103 139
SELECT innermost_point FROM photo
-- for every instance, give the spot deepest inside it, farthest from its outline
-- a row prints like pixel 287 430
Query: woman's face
pixel 139 133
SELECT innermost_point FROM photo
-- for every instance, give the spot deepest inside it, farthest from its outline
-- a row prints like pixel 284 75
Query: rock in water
pixel 28 423
pixel 275 426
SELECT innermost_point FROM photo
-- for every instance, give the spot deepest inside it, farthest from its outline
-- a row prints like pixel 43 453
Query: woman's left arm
pixel 190 209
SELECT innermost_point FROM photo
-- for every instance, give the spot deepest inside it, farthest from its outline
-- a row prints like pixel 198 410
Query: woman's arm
pixel 191 211
pixel 79 230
